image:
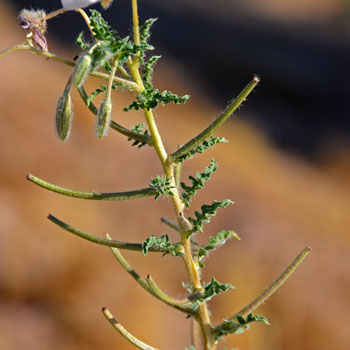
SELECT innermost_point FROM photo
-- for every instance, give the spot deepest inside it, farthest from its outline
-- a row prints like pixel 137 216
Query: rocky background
pixel 53 285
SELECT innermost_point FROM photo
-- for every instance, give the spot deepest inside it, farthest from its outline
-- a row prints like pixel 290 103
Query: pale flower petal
pixel 76 4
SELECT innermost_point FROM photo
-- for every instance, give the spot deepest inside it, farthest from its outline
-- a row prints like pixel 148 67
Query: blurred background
pixel 287 167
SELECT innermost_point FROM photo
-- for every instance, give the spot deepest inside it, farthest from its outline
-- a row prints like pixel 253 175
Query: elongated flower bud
pixel 64 116
pixel 82 70
pixel 103 118
pixel 76 4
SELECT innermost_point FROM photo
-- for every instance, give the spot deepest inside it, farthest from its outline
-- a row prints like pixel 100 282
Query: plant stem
pixel 115 126
pixel 217 123
pixel 112 196
pixel 202 315
pixel 275 286
pixel 99 240
pixel 128 336
pixel 47 54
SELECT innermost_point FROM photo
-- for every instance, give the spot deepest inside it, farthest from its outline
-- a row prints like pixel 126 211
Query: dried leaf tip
pixel 106 3
pixel 256 79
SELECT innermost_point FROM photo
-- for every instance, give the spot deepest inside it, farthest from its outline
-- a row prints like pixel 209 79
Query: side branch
pixel 217 123
pixel 111 196
pixel 147 284
pixel 50 55
pixel 274 287
pixel 99 240
pixel 134 135
pixel 128 336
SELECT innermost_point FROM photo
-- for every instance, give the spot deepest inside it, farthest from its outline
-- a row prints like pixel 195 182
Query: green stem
pixel 274 287
pixel 164 297
pixel 128 336
pixel 217 123
pixel 112 196
pixel 99 240
pixel 135 22
pixel 170 223
pixel 202 315
pixel 144 284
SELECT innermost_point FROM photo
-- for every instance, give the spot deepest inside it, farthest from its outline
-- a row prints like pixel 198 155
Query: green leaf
pixel 197 182
pixel 202 147
pixel 211 289
pixel 162 185
pixel 148 71
pixel 236 327
pixel 161 242
pixel 80 42
pixel 214 242
pixel 150 98
pixel 207 211
pixel 138 128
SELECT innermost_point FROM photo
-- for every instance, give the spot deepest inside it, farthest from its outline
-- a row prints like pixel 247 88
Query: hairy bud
pixel 82 69
pixel 64 116
pixel 103 118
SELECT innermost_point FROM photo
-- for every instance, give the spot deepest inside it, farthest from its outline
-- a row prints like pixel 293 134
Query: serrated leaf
pixel 138 128
pixel 207 211
pixel 212 141
pixel 197 182
pixel 214 242
pixel 161 242
pixel 213 288
pixel 236 327
pixel 150 98
pixel 162 185
pixel 80 42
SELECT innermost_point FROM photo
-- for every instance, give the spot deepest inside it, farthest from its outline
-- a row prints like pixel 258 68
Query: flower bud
pixel 103 118
pixel 64 116
pixel 82 69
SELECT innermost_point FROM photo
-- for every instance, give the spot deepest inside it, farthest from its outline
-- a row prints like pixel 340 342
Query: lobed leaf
pixel 163 243
pixel 151 98
pixel 235 327
pixel 202 147
pixel 213 288
pixel 138 128
pixel 214 242
pixel 162 185
pixel 207 211
pixel 197 182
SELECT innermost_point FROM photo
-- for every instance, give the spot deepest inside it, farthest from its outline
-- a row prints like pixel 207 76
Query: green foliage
pixel 161 242
pixel 145 34
pixel 148 71
pixel 162 185
pixel 210 290
pixel 235 327
pixel 202 147
pixel 81 43
pixel 207 211
pixel 138 128
pixel 151 98
pixel 214 242
pixel 197 182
